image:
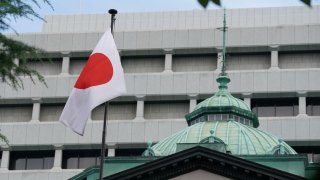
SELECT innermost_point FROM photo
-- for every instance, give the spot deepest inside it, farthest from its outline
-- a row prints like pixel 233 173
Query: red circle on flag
pixel 98 70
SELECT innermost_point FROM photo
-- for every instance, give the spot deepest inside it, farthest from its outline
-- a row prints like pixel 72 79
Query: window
pixel 28 160
pixel 166 109
pixel 46 67
pixel 244 61
pixel 313 106
pixel 130 152
pixel 50 112
pixel 80 159
pixel 298 60
pixel 15 113
pixel 194 63
pixel 116 111
pixel 142 64
pixel 272 107
pixel 312 152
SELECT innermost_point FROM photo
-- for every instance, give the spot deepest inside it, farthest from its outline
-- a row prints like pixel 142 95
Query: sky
pixel 65 7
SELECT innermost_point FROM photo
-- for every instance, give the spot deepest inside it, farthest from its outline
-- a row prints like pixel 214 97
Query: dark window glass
pixel 313 152
pixel 313 106
pixel 130 152
pixel 266 111
pixel 19 164
pixel 80 159
pixel 27 160
pixel 35 163
pixel 48 162
pixel 275 107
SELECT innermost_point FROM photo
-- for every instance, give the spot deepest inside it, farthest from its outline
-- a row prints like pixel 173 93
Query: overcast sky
pixel 102 6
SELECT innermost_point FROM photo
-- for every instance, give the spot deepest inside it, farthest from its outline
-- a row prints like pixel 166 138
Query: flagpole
pixel 113 13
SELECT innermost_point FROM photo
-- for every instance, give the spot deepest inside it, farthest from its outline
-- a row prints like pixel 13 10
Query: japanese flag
pixel 101 80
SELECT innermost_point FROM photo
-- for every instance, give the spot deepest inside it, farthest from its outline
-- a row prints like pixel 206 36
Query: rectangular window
pixel 29 160
pixel 142 64
pixel 166 109
pixel 116 111
pixel 313 106
pixel 46 66
pixel 80 159
pixel 275 107
pixel 130 152
pixel 254 61
pixel 15 113
pixel 313 152
pixel 194 63
pixel 299 60
pixel 50 112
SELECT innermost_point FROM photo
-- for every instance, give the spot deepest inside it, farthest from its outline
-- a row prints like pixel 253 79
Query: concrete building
pixel 170 60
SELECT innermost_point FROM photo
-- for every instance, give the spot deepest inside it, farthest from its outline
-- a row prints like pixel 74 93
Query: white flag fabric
pixel 101 80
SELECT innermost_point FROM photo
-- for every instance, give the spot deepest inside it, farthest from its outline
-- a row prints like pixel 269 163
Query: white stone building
pixel 170 60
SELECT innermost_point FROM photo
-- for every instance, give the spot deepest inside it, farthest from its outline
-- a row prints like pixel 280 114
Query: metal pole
pixel 113 12
pixel 224 29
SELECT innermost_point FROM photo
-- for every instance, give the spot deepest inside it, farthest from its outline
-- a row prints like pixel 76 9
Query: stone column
pixel 57 164
pixel 65 63
pixel 168 60
pixel 5 158
pixel 247 98
pixel 140 109
pixel 193 102
pixel 111 150
pixel 36 110
pixel 302 103
pixel 274 57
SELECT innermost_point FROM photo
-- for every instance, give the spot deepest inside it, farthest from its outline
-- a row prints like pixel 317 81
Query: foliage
pixel 4 139
pixel 11 71
pixel 204 3
pixel 12 50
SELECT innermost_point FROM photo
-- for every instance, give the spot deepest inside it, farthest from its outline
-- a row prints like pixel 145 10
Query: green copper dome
pixel 223 98
pixel 222 121
pixel 223 103
pixel 240 139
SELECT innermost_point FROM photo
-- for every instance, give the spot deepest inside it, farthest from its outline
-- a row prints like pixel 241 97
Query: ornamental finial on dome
pixel 224 29
pixel 223 78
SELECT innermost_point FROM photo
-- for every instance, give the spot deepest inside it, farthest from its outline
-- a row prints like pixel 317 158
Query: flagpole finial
pixel 112 11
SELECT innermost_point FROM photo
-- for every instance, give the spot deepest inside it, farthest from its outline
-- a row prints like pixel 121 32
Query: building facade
pixel 171 60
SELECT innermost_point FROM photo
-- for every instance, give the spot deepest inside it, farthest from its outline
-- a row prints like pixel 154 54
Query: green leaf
pixel 203 3
pixel 217 2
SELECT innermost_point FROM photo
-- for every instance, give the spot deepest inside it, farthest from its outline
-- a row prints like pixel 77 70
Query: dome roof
pixel 223 120
pixel 222 103
pixel 223 97
pixel 240 139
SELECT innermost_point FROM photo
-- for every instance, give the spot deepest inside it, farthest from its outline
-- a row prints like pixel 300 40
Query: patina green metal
pixel 224 29
pixel 223 102
pixel 239 138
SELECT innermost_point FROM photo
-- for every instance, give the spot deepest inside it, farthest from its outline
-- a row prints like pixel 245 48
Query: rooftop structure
pixel 171 60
